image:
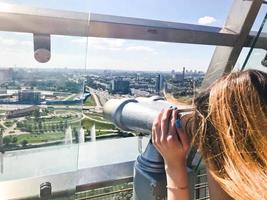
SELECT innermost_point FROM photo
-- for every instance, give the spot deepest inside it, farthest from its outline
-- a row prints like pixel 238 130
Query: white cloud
pixel 27 43
pixel 79 41
pixel 206 20
pixel 141 48
pixel 112 45
pixel 102 43
pixel 7 42
pixel 12 42
pixel 106 44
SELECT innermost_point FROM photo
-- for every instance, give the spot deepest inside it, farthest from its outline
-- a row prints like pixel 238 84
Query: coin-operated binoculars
pixel 138 115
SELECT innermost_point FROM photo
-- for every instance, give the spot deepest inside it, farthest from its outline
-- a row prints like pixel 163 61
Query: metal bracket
pixel 42 47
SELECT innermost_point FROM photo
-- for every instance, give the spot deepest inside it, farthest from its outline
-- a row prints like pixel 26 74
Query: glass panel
pixel 41 111
pixel 257 58
pixel 140 63
pixel 46 109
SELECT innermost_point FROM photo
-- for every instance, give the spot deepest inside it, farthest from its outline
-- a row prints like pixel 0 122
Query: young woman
pixel 229 126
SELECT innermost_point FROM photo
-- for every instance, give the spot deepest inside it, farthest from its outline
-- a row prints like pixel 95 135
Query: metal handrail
pixel 59 22
pixel 105 194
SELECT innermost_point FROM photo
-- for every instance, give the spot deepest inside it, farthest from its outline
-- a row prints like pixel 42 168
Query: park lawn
pixel 90 102
pixel 53 121
pixel 62 111
pixel 97 117
pixel 38 138
pixel 88 123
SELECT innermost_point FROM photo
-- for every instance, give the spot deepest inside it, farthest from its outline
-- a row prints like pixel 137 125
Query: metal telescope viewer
pixel 137 115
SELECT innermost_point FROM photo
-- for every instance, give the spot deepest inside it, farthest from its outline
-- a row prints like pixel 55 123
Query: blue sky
pixel 17 48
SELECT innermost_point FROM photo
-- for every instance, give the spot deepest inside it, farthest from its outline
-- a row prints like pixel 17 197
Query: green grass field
pixel 34 138
pixel 88 123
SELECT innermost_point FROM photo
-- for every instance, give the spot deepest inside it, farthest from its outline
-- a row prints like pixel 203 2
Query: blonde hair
pixel 230 129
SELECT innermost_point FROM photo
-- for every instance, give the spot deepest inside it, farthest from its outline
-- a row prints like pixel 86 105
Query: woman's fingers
pixel 172 127
pixel 165 124
pixel 183 137
pixel 156 129
pixel 167 130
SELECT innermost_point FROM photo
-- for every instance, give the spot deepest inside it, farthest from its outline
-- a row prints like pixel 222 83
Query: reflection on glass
pixel 40 113
pixel 257 58
pixel 46 109
pixel 39 105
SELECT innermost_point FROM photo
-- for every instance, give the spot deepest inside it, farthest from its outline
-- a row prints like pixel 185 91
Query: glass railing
pixel 42 92
pixel 257 58
pixel 54 138
pixel 98 162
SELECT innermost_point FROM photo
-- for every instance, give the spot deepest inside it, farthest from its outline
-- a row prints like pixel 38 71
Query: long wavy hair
pixel 230 129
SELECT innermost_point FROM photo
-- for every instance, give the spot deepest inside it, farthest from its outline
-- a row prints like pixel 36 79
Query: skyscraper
pixel 6 75
pixel 159 83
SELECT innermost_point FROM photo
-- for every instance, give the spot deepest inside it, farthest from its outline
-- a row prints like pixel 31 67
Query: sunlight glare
pixel 4 7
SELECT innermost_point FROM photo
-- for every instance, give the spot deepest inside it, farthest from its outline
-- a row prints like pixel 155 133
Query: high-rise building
pixel 179 77
pixel 6 75
pixel 159 83
pixel 120 86
pixel 29 97
pixel 173 73
pixel 183 73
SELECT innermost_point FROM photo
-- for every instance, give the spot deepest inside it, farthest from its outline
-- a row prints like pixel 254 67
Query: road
pixel 103 95
pixel 70 97
pixel 98 104
pixel 8 107
pixel 92 92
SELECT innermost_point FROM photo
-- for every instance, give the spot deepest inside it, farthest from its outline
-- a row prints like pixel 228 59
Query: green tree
pixel 44 127
pixel 53 127
pixel 65 124
pixel 34 128
pixel 1 140
pixel 40 125
pixel 14 140
pixel 7 140
pixel 24 143
pixel 30 127
pixel 46 111
pixel 36 114
pixel 19 124
pixel 61 126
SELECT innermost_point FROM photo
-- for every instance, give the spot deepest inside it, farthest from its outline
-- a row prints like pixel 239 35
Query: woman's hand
pixel 173 144
pixel 171 141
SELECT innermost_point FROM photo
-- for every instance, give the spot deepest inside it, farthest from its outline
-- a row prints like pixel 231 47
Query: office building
pixel 120 86
pixel 29 97
pixel 6 75
pixel 159 83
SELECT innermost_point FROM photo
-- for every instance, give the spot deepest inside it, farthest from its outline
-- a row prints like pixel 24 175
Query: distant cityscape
pixel 41 107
